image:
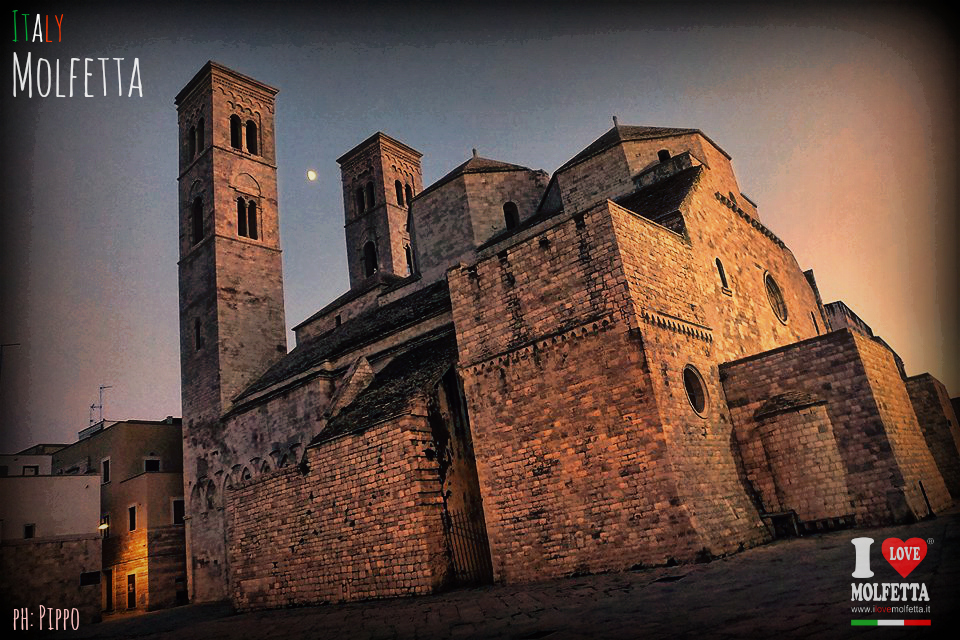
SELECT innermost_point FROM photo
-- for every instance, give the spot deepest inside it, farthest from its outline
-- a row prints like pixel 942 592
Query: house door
pixel 132 591
pixel 108 590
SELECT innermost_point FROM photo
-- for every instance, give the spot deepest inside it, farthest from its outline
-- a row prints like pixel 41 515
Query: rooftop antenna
pixel 99 406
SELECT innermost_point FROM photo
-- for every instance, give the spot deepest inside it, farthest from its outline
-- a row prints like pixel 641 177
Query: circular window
pixel 775 296
pixel 695 388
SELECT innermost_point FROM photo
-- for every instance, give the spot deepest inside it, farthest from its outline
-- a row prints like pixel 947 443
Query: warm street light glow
pixel 312 175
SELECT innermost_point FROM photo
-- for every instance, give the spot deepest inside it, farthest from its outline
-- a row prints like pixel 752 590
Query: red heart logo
pixel 904 556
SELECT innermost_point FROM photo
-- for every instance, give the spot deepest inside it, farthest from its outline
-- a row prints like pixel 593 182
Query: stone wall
pixel 46 571
pixel 880 443
pixel 364 521
pixel 939 425
pixel 581 466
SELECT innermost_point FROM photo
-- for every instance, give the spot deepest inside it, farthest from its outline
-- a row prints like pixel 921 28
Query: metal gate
pixel 469 548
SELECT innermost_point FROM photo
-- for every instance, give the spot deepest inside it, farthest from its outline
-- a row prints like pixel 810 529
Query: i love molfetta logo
pixel 903 558
pixel 44 74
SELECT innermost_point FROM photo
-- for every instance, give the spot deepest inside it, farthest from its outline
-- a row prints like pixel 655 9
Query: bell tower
pixel 380 177
pixel 231 284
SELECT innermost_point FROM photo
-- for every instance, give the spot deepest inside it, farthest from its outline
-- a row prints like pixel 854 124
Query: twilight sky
pixel 841 124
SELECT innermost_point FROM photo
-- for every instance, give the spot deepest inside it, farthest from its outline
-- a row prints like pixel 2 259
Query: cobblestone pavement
pixel 788 589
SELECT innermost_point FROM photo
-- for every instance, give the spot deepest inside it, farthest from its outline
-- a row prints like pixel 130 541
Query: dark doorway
pixel 108 590
pixel 132 591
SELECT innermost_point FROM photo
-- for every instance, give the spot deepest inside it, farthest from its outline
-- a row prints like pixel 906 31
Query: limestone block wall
pixel 363 522
pixel 938 422
pixel 442 232
pixel 881 446
pixel 661 272
pixel 741 314
pixel 218 455
pixel 46 571
pixel 488 192
pixel 581 466
pixel 604 176
pixel 166 566
pixel 804 472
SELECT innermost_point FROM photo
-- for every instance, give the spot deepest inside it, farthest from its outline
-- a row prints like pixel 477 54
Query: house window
pixel 511 215
pixel 236 132
pixel 409 193
pixel 399 187
pixel 252 137
pixel 105 525
pixel 197 334
pixel 151 465
pixel 409 256
pixel 88 578
pixel 132 512
pixel 663 155
pixel 178 511
pixel 201 142
pixel 29 531
pixel 196 221
pixel 723 274
pixel 775 296
pixel 252 220
pixel 695 388
pixel 31 470
pixel 370 264
pixel 105 471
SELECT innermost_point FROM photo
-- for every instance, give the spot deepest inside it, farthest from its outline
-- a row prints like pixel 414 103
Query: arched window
pixel 409 255
pixel 723 275
pixel 663 155
pixel 201 136
pixel 359 195
pixel 252 219
pixel 252 136
pixel 399 188
pixel 370 265
pixel 511 216
pixel 695 388
pixel 236 132
pixel 196 221
pixel 370 199
pixel 241 218
pixel 409 193
pixel 775 296
pixel 192 143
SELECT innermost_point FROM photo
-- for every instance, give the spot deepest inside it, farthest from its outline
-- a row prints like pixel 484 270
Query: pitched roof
pixel 662 198
pixel 476 164
pixel 624 133
pixel 409 375
pixel 355 332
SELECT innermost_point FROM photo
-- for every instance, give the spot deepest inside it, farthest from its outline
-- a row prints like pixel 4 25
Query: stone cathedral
pixel 531 376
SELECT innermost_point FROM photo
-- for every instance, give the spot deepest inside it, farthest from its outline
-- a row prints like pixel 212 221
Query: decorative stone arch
pixel 246 184
pixel 245 475
pixel 210 496
pixel 196 497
